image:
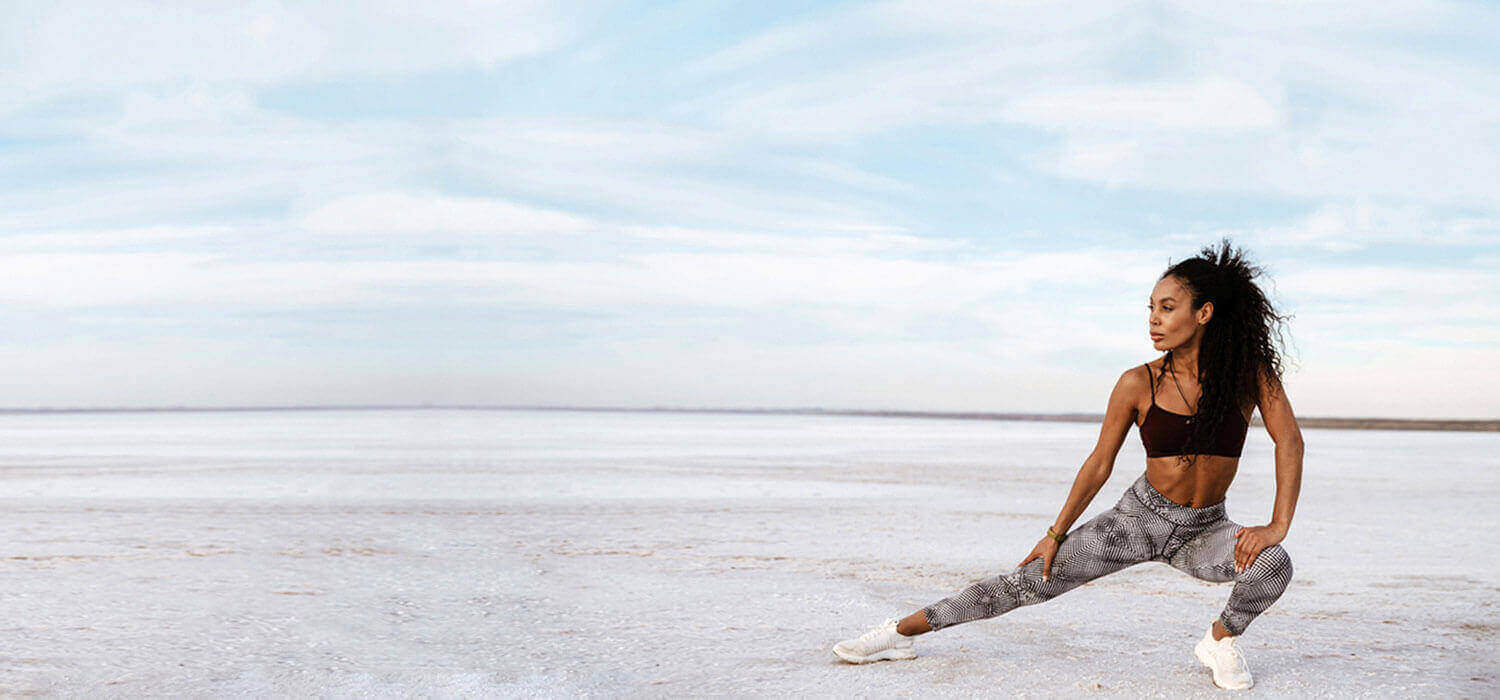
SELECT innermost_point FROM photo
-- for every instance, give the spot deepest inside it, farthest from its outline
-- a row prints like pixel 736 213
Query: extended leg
pixel 1111 541
pixel 914 624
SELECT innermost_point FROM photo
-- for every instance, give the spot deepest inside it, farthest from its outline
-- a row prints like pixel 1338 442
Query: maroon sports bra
pixel 1163 432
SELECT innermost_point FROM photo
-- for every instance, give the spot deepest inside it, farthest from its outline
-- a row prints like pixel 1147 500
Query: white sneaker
pixel 881 643
pixel 1228 664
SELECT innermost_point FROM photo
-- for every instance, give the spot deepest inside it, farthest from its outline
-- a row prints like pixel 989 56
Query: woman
pixel 1192 407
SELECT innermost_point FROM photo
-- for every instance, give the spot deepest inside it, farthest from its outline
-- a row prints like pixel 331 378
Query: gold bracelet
pixel 1055 536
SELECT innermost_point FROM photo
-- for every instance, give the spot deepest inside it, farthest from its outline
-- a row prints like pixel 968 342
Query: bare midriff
pixel 1199 486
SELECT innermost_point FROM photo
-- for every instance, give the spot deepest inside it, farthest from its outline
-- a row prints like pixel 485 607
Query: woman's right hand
pixel 1046 549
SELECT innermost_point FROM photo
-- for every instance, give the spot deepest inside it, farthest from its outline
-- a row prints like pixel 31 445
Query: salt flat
pixel 482 553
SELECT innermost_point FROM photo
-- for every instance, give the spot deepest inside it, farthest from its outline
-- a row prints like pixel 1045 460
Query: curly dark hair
pixel 1236 350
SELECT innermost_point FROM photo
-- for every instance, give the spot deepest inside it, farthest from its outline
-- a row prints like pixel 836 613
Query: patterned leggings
pixel 1143 526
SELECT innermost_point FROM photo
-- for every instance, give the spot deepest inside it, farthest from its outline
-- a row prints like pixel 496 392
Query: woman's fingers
pixel 1246 550
pixel 1246 538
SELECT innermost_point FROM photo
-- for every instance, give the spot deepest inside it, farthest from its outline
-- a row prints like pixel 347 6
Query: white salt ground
pixel 478 554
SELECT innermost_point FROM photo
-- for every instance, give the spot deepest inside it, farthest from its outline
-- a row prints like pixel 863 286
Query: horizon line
pixel 1357 423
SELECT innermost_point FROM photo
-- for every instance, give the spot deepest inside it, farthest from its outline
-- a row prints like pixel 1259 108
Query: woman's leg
pixel 1111 541
pixel 1209 556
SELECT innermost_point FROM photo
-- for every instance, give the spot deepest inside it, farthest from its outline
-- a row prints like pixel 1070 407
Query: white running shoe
pixel 879 644
pixel 1228 664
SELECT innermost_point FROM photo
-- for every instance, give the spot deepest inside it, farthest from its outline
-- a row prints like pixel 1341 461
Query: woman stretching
pixel 1194 405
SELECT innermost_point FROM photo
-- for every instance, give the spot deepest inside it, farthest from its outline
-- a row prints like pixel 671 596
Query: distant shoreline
pixel 1459 424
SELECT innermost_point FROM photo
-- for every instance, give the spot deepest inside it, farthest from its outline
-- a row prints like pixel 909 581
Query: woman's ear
pixel 1205 313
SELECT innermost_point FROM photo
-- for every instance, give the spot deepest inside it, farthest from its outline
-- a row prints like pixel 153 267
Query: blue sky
pixel 907 205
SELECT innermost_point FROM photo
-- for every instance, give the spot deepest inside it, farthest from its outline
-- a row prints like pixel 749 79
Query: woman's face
pixel 1172 322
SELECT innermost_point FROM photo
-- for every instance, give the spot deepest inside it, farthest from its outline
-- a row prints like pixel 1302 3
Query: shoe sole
pixel 1198 652
pixel 886 655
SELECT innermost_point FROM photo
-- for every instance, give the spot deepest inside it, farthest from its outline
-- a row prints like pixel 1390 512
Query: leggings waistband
pixel 1175 512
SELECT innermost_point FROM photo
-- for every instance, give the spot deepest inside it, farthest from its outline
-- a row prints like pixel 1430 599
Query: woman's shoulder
pixel 1152 366
pixel 1138 377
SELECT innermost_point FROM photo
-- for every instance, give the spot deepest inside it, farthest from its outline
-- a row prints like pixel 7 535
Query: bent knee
pixel 1273 562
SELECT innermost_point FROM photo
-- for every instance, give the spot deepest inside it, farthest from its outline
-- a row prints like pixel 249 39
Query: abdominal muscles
pixel 1202 484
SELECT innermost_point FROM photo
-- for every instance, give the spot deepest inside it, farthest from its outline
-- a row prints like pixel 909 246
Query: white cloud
pixel 1015 19
pixel 651 169
pixel 201 148
pixel 175 280
pixel 400 212
pixel 789 275
pixel 1342 227
pixel 1405 288
pixel 760 47
pixel 1215 103
pixel 1116 160
pixel 106 238
pixel 222 151
pixel 56 46
pixel 856 240
pixel 1240 99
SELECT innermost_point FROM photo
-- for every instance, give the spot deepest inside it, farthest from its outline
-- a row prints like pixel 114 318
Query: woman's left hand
pixel 1252 540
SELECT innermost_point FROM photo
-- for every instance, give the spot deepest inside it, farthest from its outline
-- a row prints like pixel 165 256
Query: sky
pixel 907 205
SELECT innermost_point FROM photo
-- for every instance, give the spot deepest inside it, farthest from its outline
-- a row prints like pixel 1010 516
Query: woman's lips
pixel 1155 336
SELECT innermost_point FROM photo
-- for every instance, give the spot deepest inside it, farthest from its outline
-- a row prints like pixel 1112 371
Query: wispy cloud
pixel 57 47
pixel 1213 104
pixel 934 204
pixel 408 213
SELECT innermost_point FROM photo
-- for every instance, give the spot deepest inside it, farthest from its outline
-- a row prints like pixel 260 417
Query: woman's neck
pixel 1185 360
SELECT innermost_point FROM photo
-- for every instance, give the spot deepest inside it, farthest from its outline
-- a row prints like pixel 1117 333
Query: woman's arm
pixel 1276 413
pixel 1119 415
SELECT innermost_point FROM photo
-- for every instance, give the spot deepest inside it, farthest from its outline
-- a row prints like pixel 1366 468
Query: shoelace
pixel 868 639
pixel 1232 651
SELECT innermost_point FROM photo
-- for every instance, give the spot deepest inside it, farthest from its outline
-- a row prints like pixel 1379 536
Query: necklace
pixel 1179 391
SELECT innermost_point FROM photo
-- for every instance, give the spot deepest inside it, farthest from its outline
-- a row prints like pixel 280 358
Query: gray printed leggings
pixel 1143 526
